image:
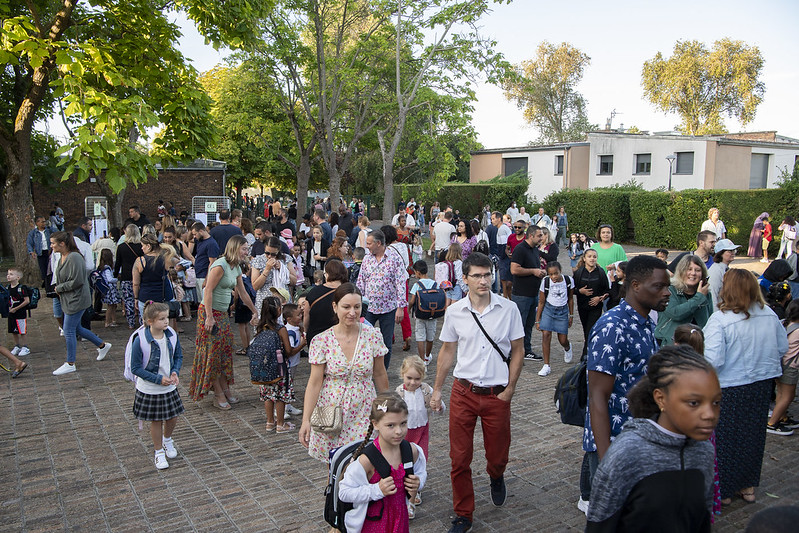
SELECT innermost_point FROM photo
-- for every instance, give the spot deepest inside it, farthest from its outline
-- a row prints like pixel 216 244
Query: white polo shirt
pixel 476 359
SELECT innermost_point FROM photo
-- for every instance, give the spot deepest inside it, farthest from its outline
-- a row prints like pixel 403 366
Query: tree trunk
pixel 18 209
pixel 303 178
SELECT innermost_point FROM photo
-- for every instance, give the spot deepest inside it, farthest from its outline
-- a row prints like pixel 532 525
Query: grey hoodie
pixel 652 481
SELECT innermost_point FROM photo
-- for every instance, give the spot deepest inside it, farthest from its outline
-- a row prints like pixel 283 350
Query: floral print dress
pixel 346 383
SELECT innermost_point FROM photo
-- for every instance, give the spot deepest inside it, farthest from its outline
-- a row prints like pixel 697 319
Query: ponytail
pixel 641 401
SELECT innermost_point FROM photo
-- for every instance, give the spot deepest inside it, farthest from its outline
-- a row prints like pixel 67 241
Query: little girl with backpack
pixel 659 470
pixel 153 362
pixel 277 389
pixel 112 297
pixel 381 503
pixel 555 313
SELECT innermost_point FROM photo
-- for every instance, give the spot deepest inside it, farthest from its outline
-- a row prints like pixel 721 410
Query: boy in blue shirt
pixel 425 328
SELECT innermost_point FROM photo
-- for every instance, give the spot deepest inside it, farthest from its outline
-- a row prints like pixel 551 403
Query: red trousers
pixel 464 409
pixel 406 317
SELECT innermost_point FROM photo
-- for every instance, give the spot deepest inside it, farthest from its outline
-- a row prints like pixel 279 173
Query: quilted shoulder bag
pixel 327 419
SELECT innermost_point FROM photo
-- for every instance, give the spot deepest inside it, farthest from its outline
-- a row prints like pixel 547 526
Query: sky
pixel 619 36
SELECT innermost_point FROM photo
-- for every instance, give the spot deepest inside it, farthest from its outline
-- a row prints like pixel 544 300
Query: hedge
pixel 648 218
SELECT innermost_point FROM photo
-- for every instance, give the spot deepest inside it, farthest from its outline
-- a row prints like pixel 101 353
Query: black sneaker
pixel 779 429
pixel 532 356
pixel 460 525
pixel 498 492
pixel 788 422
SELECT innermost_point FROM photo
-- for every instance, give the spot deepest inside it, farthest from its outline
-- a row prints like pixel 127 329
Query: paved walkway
pixel 75 459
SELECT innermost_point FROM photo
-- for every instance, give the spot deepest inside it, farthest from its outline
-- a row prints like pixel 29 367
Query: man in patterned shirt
pixel 619 347
pixel 382 283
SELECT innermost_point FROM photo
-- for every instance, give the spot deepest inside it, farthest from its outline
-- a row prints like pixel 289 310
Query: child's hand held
pixel 387 486
pixel 412 484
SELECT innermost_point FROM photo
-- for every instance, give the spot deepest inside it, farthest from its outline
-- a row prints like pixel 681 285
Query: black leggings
pixel 588 317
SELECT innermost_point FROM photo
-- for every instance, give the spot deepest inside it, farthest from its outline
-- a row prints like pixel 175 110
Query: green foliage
pixel 701 85
pixel 468 198
pixel 588 209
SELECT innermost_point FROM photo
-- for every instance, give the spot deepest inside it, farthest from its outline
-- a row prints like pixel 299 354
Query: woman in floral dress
pixel 346 369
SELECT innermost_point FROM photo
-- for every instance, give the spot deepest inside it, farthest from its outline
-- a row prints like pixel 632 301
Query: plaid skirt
pixel 157 407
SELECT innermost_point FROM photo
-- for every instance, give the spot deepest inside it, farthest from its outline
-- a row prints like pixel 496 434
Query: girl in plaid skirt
pixel 157 398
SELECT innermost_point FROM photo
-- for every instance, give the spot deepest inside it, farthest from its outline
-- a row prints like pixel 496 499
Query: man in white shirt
pixel 512 212
pixel 483 335
pixel 442 234
pixel 409 220
pixel 523 215
pixel 714 224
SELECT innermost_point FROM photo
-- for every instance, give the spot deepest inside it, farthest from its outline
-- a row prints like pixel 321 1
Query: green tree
pixel 545 88
pixel 114 67
pixel 702 85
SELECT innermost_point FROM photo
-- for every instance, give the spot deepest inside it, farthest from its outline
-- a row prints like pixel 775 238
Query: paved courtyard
pixel 75 459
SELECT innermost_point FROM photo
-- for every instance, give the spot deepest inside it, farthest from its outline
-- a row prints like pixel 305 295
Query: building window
pixel 685 163
pixel 515 165
pixel 605 165
pixel 643 163
pixel 758 175
pixel 559 165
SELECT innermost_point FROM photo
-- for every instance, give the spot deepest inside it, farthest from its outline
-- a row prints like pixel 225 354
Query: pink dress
pixel 346 383
pixel 394 518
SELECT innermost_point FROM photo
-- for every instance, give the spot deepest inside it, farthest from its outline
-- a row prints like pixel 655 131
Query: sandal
pixel 270 426
pixel 243 351
pixel 418 499
pixel 20 371
pixel 222 405
pixel 231 399
pixel 285 428
pixel 185 319
pixel 411 511
pixel 748 496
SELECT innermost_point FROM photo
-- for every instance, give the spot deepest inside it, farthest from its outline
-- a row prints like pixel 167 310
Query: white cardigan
pixel 356 489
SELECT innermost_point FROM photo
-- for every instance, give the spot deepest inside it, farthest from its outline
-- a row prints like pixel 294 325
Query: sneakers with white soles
pixel 66 368
pixel 60 332
pixel 15 350
pixel 290 409
pixel 169 448
pixel 102 352
pixel 160 460
pixel 567 355
pixel 24 351
pixel 545 370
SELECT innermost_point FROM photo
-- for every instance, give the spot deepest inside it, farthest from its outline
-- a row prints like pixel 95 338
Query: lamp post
pixel 670 158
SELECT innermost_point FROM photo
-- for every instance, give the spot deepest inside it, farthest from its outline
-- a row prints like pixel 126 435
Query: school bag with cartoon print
pixel 267 364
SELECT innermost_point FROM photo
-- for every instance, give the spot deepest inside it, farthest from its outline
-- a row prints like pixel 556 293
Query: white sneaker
pixel 24 351
pixel 290 409
pixel 545 370
pixel 169 448
pixel 60 332
pixel 160 460
pixel 15 350
pixel 582 505
pixel 102 352
pixel 66 368
pixel 567 355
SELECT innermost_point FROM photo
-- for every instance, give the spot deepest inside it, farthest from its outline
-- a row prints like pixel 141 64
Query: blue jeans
pixel 72 328
pixel 527 307
pixel 587 471
pixel 385 322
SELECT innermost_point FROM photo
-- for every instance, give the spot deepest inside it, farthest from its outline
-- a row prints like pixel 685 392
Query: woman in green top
pixel 607 251
pixel 689 303
pixel 72 286
pixel 213 358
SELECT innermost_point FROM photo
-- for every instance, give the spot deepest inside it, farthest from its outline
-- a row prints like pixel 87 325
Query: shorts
pixel 504 268
pixel 241 314
pixel 425 329
pixel 790 375
pixel 57 311
pixel 18 326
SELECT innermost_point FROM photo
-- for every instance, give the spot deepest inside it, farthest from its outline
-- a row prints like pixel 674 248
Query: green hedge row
pixel 649 218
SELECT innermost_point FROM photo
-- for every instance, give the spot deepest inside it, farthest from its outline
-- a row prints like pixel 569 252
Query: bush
pixel 587 210
pixel 468 198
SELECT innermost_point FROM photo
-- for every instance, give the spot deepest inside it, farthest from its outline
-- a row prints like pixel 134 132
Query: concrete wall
pixel 577 164
pixel 731 167
pixel 624 148
pixel 541 171
pixel 483 167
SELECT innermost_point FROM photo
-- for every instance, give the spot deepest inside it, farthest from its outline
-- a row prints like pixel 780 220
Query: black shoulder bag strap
pixel 381 465
pixel 494 344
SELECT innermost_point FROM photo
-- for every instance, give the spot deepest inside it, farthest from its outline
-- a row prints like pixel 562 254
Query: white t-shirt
pixel 503 232
pixel 417 409
pixel 719 229
pixel 294 340
pixel 443 232
pixel 558 293
pixel 409 221
pixel 147 387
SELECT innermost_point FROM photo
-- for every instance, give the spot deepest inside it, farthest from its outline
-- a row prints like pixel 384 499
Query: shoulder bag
pixel 494 344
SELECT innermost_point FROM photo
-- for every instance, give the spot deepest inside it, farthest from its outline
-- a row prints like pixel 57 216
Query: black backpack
pixel 265 369
pixel 430 303
pixel 571 395
pixel 340 459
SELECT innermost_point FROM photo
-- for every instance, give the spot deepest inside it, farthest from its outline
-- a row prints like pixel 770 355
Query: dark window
pixel 758 175
pixel 514 165
pixel 643 163
pixel 605 165
pixel 559 165
pixel 685 163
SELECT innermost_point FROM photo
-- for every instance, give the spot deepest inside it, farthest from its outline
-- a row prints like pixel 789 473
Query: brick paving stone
pixel 75 459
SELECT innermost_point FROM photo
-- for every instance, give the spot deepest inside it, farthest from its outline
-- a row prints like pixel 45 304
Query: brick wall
pixel 172 185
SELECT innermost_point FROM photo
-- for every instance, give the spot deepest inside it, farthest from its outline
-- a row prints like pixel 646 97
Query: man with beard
pixel 619 347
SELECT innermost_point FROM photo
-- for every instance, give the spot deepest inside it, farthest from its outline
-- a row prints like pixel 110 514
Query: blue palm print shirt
pixel 620 344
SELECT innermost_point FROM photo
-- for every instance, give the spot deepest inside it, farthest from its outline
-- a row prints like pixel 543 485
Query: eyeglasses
pixel 478 277
pixel 518 227
pixel 270 254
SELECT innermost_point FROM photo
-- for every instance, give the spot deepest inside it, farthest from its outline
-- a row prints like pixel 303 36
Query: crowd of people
pixel 334 289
